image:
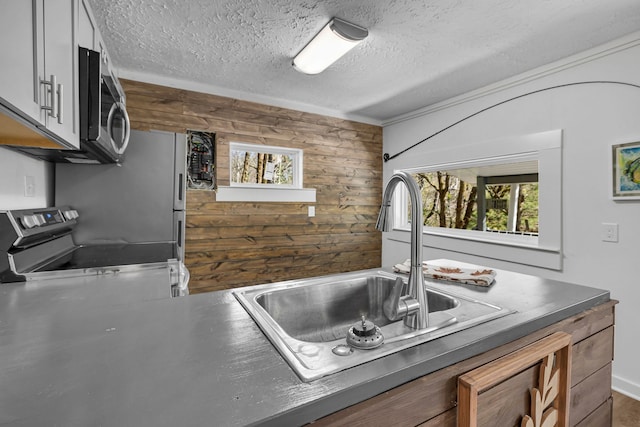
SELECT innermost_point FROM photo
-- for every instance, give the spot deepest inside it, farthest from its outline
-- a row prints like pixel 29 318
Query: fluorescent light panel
pixel 334 40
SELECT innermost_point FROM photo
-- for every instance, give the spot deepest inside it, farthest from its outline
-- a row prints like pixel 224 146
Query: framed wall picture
pixel 626 171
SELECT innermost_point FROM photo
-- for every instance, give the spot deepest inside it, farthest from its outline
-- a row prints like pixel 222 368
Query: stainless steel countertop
pixel 80 356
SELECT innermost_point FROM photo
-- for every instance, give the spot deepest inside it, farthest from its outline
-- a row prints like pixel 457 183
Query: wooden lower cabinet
pixel 535 380
pixel 431 400
pixel 602 416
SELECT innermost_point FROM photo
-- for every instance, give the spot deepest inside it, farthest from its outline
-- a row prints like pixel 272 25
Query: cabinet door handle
pixel 52 106
pixel 60 102
pixel 54 98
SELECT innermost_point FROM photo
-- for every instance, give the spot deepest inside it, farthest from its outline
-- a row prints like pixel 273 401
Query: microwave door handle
pixel 127 127
pixel 112 111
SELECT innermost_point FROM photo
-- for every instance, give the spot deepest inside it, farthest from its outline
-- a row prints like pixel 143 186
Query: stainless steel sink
pixel 308 320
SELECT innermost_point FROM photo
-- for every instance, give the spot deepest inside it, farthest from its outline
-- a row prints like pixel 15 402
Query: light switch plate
pixel 609 232
pixel 312 211
pixel 29 186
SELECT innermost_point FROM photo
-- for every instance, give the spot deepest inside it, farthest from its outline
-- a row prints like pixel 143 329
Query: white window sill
pixel 250 194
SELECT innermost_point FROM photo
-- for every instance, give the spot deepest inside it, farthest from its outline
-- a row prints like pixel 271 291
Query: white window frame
pixel 295 153
pixel 544 250
pixel 254 192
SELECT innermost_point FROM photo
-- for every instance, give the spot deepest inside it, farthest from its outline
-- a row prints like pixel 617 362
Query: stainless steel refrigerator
pixel 140 201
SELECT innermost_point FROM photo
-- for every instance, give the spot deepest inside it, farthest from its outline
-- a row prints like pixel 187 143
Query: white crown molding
pixel 236 94
pixel 593 54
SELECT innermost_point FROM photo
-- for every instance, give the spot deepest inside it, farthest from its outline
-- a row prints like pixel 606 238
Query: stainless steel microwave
pixel 104 122
pixel 104 125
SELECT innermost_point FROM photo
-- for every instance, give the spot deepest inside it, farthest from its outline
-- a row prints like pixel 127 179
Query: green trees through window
pixel 508 204
pixel 261 168
pixel 256 165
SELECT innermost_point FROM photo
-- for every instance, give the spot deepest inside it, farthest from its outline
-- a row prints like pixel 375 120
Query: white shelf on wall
pixel 246 194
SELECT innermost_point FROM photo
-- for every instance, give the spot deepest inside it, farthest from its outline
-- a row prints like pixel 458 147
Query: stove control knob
pixel 70 214
pixel 39 218
pixel 29 221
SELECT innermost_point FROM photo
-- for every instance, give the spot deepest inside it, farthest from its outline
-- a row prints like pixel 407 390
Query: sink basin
pixel 308 320
pixel 324 312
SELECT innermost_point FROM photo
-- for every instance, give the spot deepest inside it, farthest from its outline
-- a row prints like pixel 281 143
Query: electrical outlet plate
pixel 609 232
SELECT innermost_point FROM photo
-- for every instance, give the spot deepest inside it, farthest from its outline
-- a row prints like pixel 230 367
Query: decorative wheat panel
pixel 547 360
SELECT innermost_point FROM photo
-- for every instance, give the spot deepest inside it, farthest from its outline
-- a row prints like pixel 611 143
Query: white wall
pixel 592 118
pixel 13 169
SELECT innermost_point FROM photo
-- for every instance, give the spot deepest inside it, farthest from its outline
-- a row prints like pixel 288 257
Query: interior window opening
pixel 481 199
pixel 498 199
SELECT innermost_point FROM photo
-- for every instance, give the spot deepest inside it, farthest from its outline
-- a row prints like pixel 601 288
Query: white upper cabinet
pixel 38 75
pixel 59 76
pixel 18 73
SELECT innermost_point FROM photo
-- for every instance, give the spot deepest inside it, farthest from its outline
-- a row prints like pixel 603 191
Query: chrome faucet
pixel 412 303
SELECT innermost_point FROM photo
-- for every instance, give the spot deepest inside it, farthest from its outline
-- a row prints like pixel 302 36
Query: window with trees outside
pixel 498 199
pixel 262 173
pixel 259 165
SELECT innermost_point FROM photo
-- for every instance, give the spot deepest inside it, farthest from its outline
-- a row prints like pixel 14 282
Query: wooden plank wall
pixel 230 244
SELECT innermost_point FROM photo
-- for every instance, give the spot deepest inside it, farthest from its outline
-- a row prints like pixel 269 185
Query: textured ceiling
pixel 418 52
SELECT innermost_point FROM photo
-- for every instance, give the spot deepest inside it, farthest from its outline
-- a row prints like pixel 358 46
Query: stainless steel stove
pixel 37 244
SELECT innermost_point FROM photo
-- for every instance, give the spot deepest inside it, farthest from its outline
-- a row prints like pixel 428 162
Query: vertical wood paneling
pixel 230 244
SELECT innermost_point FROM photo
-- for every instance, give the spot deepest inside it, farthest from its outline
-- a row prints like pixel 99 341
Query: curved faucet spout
pixel 415 288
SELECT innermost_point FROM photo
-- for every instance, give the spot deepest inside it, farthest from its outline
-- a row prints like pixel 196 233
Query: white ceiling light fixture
pixel 334 40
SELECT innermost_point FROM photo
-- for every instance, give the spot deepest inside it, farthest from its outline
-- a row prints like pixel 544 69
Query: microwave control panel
pixel 200 160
